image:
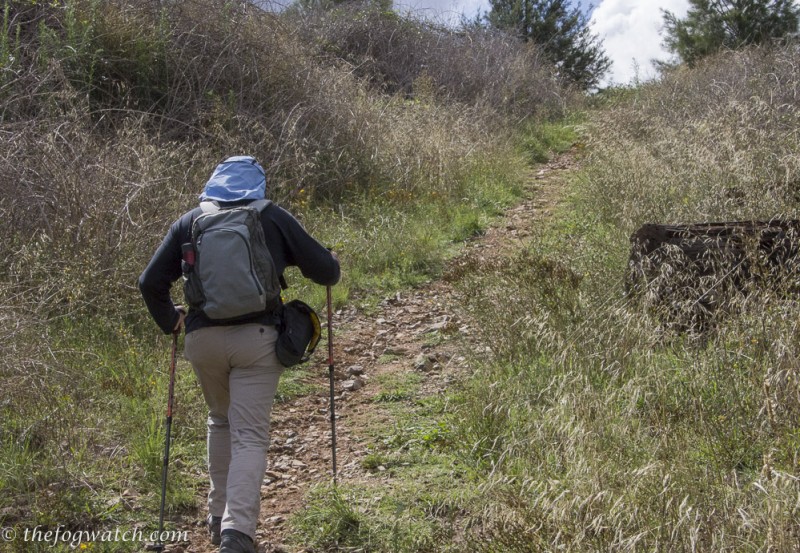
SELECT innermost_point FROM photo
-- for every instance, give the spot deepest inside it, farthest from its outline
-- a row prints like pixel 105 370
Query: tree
pixel 713 25
pixel 561 30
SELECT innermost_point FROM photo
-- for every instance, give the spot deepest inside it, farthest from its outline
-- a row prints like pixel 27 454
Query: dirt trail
pixel 368 348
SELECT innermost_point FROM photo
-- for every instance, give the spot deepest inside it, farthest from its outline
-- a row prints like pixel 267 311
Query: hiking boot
pixel 214 525
pixel 234 541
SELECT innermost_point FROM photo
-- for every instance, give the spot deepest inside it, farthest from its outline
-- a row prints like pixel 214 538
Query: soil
pixel 371 347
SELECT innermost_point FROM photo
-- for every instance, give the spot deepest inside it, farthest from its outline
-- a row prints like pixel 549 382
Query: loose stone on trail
pixel 353 385
pixel 355 370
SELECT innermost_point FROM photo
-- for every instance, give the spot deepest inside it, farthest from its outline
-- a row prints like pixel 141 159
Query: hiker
pixel 233 357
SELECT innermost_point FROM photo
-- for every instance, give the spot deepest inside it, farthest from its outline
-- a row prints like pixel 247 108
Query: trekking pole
pixel 330 376
pixel 159 545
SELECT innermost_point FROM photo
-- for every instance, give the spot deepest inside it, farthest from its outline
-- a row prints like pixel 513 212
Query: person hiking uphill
pixel 232 349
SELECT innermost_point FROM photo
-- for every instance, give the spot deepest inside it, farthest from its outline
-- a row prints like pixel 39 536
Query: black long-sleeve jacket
pixel 288 243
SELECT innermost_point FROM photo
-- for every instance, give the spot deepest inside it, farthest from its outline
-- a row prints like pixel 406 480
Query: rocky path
pixel 372 348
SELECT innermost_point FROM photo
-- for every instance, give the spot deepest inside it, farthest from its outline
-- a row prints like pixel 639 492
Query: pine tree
pixel 561 30
pixel 713 25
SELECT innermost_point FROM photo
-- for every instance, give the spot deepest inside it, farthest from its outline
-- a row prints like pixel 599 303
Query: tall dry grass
pixel 595 426
pixel 421 58
pixel 113 115
pixel 715 143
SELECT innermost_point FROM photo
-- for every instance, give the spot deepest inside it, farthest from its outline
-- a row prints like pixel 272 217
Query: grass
pixel 113 115
pixel 100 439
pixel 61 470
pixel 396 387
pixel 423 490
pixel 573 411
pixel 85 418
pixel 540 140
pixel 409 504
pixel 588 427
pixel 432 226
pixel 593 425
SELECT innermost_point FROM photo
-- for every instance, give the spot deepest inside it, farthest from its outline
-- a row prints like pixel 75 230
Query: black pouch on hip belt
pixel 298 333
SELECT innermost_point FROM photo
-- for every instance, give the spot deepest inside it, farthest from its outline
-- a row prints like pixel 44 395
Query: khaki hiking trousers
pixel 238 372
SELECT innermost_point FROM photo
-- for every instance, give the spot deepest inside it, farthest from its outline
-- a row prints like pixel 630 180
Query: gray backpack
pixel 228 271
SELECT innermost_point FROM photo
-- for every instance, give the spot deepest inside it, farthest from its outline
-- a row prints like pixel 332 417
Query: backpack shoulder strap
pixel 261 205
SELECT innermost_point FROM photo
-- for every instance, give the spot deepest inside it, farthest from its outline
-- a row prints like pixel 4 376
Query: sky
pixel 629 29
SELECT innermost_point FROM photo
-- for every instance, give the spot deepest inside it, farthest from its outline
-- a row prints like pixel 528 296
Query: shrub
pixel 714 143
pixel 113 115
pixel 420 59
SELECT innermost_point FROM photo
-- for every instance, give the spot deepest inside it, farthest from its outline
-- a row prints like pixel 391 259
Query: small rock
pixel 298 464
pixel 355 370
pixel 352 385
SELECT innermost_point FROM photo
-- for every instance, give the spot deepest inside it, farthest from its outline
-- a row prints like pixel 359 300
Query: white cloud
pixel 629 29
pixel 631 35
